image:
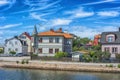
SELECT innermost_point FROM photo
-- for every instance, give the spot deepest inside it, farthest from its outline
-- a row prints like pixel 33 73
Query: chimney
pixel 52 30
pixel 60 30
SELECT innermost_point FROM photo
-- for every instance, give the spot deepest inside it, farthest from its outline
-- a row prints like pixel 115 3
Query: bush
pixel 27 61
pixel 17 62
pixel 110 65
pixel 60 54
pixel 12 52
pixel 1 51
pixel 34 54
pixel 86 58
pixel 118 65
pixel 23 62
pixel 117 56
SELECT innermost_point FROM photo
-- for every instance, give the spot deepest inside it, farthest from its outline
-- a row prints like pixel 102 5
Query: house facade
pixel 51 42
pixel 110 42
pixel 15 44
pixel 27 38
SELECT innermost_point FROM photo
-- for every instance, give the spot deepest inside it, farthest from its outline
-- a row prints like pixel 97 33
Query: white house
pixel 15 44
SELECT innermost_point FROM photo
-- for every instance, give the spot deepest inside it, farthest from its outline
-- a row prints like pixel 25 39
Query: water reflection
pixel 27 74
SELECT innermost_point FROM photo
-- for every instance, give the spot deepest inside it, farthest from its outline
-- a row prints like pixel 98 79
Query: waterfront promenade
pixel 65 66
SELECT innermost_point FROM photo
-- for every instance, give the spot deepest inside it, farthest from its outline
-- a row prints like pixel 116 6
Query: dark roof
pixel 117 38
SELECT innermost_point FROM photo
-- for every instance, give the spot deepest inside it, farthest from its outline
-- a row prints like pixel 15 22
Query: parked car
pixel 19 54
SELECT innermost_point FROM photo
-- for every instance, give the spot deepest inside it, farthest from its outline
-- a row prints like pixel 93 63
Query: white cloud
pixel 40 5
pixel 108 13
pixel 3 2
pixel 99 2
pixel 89 32
pixel 37 16
pixel 57 22
pixel 79 13
pixel 10 26
pixel 9 4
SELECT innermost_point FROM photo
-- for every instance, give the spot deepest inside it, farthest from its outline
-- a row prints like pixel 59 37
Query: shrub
pixel 86 58
pixel 23 62
pixel 34 54
pixel 60 54
pixel 1 51
pixel 27 61
pixel 17 62
pixel 117 56
pixel 106 65
pixel 12 52
pixel 118 65
pixel 110 65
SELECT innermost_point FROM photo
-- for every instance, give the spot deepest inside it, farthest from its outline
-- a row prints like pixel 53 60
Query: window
pixel 40 50
pixel 56 40
pixel 114 50
pixel 110 38
pixel 107 49
pixel 50 40
pixel 56 50
pixel 50 51
pixel 16 49
pixel 40 40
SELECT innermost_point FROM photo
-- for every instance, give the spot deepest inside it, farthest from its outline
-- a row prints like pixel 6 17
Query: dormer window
pixel 110 38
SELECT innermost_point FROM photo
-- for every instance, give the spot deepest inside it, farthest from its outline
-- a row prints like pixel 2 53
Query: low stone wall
pixel 62 66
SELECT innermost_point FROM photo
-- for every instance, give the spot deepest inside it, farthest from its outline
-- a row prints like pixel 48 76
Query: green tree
pixel 97 47
pixel 84 40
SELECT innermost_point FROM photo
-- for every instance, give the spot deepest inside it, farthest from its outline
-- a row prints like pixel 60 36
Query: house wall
pixel 64 45
pixel 45 45
pixel 11 46
pixel 110 47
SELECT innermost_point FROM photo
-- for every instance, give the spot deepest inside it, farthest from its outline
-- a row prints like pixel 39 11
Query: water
pixel 27 74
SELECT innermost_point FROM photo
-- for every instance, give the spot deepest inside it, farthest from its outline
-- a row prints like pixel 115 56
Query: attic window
pixel 110 38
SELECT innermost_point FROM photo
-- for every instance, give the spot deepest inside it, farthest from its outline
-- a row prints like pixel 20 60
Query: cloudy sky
pixel 84 18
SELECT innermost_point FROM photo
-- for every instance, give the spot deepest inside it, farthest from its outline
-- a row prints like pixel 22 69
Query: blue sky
pixel 84 18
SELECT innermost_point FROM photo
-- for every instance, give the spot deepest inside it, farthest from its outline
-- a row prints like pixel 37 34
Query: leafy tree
pixel 86 58
pixel 61 54
pixel 97 47
pixel 84 40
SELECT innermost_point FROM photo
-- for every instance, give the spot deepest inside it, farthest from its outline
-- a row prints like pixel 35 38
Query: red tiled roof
pixel 55 33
